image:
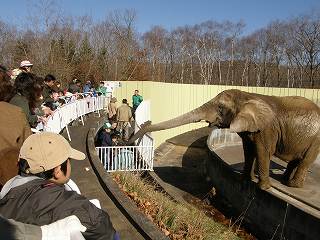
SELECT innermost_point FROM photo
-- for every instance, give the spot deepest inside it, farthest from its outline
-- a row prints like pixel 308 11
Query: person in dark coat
pixel 105 135
pixel 49 82
pixel 74 87
pixel 38 195
pixel 14 129
pixel 28 92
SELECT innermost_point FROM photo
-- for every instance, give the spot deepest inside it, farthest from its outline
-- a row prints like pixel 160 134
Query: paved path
pixel 88 183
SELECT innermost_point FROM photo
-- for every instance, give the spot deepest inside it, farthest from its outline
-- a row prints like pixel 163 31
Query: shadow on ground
pixel 187 176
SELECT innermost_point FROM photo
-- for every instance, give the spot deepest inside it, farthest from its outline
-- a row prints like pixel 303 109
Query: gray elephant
pixel 286 127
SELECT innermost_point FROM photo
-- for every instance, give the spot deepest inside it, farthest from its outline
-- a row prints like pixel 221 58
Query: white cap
pixel 26 63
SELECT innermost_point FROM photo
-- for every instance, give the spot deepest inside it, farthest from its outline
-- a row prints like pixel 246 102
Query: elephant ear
pixel 254 115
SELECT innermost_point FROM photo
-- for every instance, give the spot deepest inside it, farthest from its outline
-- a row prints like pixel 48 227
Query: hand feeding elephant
pixel 286 127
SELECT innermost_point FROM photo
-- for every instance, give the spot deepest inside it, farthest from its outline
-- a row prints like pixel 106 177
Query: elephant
pixel 286 127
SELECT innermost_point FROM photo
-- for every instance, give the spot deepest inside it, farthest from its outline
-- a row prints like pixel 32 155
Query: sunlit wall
pixel 169 100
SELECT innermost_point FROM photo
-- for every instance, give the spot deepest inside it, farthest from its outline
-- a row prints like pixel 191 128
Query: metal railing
pixel 115 158
pixel 220 137
pixel 126 158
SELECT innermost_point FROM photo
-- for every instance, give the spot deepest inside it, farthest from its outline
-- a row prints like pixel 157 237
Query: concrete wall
pixel 169 100
pixel 266 215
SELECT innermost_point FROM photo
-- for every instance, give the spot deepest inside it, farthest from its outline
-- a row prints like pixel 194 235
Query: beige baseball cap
pixel 44 151
pixel 26 63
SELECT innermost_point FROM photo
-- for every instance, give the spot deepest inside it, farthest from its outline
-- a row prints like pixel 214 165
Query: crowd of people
pixel 117 130
pixel 35 202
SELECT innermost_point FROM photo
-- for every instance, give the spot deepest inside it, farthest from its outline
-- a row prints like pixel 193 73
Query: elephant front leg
pixel 263 162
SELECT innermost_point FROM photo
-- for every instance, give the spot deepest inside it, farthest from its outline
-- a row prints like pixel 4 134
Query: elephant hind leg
pixel 290 170
pixel 299 177
pixel 302 168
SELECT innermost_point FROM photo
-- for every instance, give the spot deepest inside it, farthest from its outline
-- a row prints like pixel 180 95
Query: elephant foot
pixel 295 183
pixel 253 177
pixel 264 185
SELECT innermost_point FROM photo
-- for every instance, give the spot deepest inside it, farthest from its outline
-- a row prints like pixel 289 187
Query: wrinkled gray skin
pixel 286 127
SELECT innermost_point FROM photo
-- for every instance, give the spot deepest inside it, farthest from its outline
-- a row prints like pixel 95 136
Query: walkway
pixel 88 183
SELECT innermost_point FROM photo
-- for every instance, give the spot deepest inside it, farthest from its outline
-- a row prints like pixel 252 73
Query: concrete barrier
pixel 267 214
pixel 146 228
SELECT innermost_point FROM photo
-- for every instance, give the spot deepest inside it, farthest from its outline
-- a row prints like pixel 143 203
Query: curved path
pixel 87 181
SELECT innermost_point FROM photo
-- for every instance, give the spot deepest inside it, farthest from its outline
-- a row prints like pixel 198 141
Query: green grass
pixel 176 220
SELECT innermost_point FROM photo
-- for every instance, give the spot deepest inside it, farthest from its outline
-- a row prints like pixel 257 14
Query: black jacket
pixel 46 93
pixel 41 202
pixel 105 139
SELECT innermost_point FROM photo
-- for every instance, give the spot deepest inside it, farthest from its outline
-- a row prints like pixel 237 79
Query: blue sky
pixel 173 13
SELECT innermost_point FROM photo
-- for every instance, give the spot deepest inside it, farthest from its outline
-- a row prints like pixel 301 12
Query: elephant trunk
pixel 193 116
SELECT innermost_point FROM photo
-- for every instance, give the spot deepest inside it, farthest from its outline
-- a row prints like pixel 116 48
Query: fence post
pixel 68 133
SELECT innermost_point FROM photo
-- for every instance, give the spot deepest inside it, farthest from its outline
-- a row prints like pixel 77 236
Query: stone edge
pixel 146 228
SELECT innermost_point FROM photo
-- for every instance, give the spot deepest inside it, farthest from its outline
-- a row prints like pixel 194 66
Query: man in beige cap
pixel 38 195
pixel 25 66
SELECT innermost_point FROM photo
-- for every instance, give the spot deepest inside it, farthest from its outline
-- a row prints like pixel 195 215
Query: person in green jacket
pixel 102 89
pixel 49 82
pixel 136 100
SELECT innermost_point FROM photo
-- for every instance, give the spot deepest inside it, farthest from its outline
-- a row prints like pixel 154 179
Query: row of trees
pixel 284 53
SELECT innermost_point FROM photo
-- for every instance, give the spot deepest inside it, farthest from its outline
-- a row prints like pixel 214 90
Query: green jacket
pixel 46 93
pixel 136 100
pixel 22 102
pixel 102 90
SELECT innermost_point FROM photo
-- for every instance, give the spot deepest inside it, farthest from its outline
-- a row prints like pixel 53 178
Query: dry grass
pixel 178 221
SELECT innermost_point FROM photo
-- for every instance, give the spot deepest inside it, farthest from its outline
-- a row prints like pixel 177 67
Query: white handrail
pixel 126 158
pixel 72 111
